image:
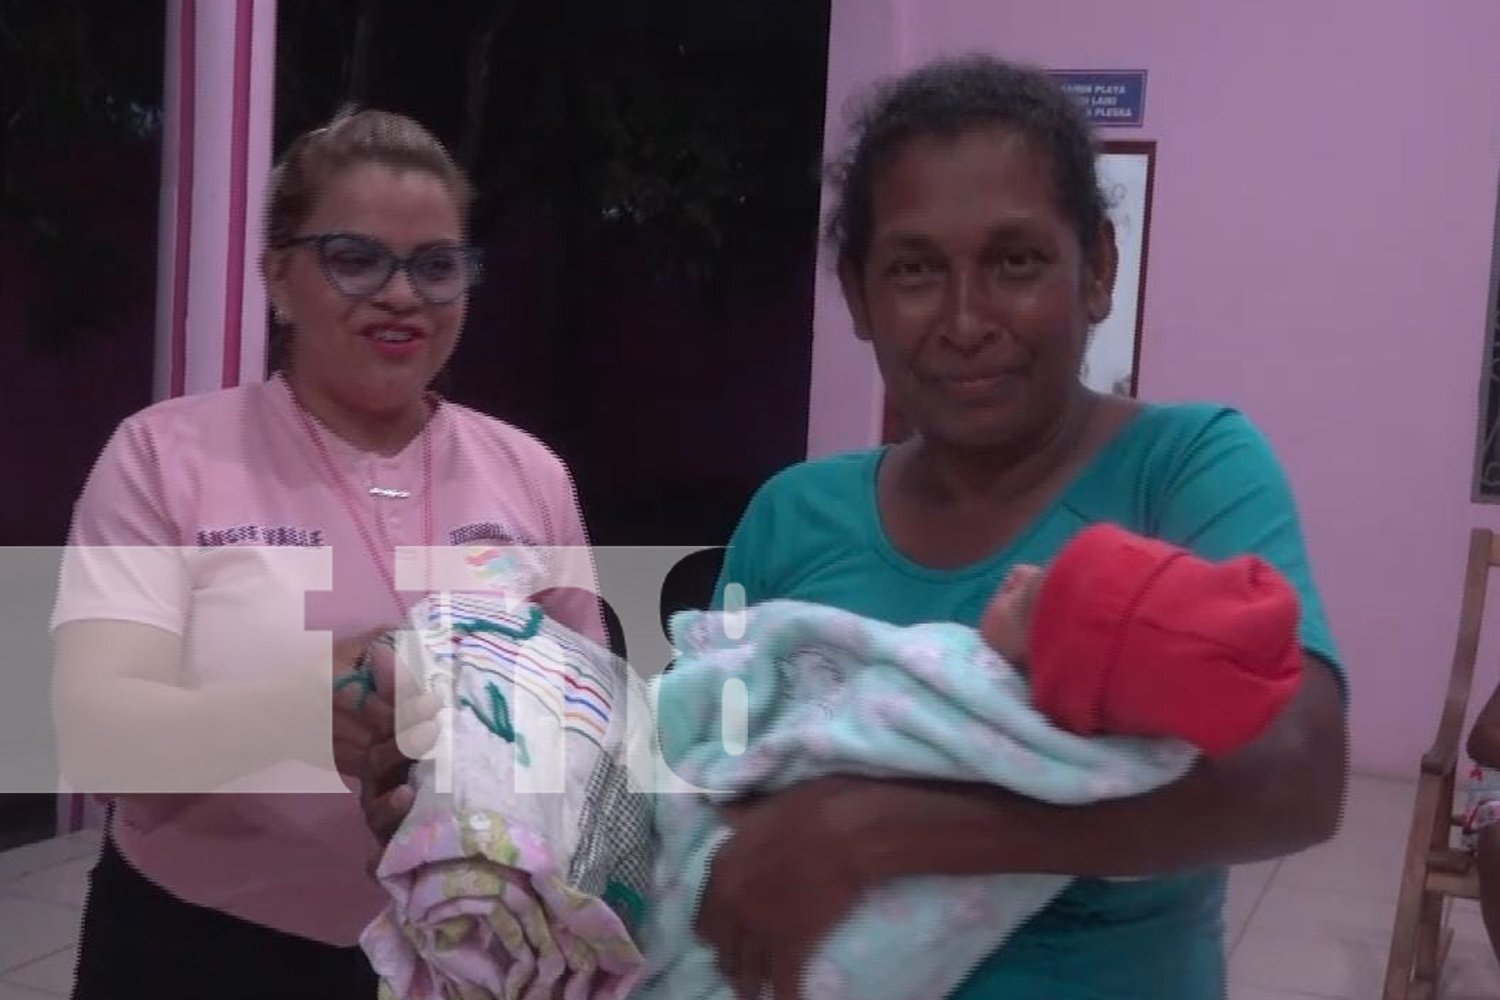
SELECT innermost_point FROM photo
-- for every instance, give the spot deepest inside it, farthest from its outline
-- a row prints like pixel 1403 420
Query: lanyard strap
pixel 341 487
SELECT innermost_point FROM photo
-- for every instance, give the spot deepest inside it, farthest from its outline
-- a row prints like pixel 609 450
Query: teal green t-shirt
pixel 1198 476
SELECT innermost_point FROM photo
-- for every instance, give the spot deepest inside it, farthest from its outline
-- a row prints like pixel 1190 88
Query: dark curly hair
pixel 951 96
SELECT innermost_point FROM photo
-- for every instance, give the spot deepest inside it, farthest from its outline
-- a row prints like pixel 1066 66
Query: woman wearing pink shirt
pixel 223 538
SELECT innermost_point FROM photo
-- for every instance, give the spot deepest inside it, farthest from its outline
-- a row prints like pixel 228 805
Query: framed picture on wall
pixel 1126 172
pixel 1112 362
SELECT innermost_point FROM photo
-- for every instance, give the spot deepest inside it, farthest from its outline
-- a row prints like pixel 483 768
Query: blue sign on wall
pixel 1111 97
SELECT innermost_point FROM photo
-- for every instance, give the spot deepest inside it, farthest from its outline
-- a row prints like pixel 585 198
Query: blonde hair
pixel 351 138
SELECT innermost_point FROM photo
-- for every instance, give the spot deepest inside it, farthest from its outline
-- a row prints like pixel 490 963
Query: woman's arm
pixel 127 718
pixel 575 602
pixel 126 724
pixel 1484 738
pixel 801 859
pixel 1280 795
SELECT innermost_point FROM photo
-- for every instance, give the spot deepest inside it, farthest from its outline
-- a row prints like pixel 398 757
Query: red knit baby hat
pixel 1135 636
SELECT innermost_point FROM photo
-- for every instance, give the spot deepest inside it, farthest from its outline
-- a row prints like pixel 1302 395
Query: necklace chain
pixel 341 487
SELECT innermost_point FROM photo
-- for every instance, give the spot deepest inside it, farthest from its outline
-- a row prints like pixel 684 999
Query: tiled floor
pixel 1316 925
pixel 41 892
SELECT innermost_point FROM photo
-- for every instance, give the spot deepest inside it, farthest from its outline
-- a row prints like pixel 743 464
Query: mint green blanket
pixel 830 692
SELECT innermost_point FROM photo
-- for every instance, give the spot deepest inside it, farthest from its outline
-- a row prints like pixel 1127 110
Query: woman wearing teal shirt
pixel 975 255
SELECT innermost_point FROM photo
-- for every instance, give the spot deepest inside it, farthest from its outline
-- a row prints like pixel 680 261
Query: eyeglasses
pixel 359 266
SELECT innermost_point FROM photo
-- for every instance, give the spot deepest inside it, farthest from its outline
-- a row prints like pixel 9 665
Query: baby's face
pixel 1007 621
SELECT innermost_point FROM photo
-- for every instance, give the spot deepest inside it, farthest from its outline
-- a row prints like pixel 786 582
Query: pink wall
pixel 1319 256
pixel 845 404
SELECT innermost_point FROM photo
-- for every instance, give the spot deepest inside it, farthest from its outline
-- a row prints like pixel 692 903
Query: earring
pixel 279 315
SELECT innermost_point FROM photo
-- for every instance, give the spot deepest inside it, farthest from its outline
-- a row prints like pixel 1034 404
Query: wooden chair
pixel 1433 871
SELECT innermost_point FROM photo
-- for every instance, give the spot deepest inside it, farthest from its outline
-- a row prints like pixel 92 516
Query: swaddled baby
pixel 522 869
pixel 1132 636
pixel 1103 676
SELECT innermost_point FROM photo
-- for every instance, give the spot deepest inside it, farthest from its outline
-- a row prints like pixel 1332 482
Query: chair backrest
pixel 1484 555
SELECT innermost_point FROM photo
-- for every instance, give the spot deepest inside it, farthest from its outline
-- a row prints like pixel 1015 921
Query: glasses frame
pixel 473 259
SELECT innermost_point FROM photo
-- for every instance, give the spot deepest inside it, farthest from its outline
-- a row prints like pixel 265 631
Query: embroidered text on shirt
pixel 255 534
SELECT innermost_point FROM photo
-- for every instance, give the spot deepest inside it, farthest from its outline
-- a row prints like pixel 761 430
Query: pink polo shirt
pixel 232 483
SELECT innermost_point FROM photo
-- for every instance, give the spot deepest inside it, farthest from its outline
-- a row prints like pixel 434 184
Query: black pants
pixel 139 940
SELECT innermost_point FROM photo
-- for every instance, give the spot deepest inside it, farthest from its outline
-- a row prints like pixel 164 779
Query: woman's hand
pixel 385 790
pixel 382 758
pixel 360 663
pixel 790 872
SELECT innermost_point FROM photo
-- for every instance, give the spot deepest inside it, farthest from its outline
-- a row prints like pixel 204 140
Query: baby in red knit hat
pixel 1131 636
